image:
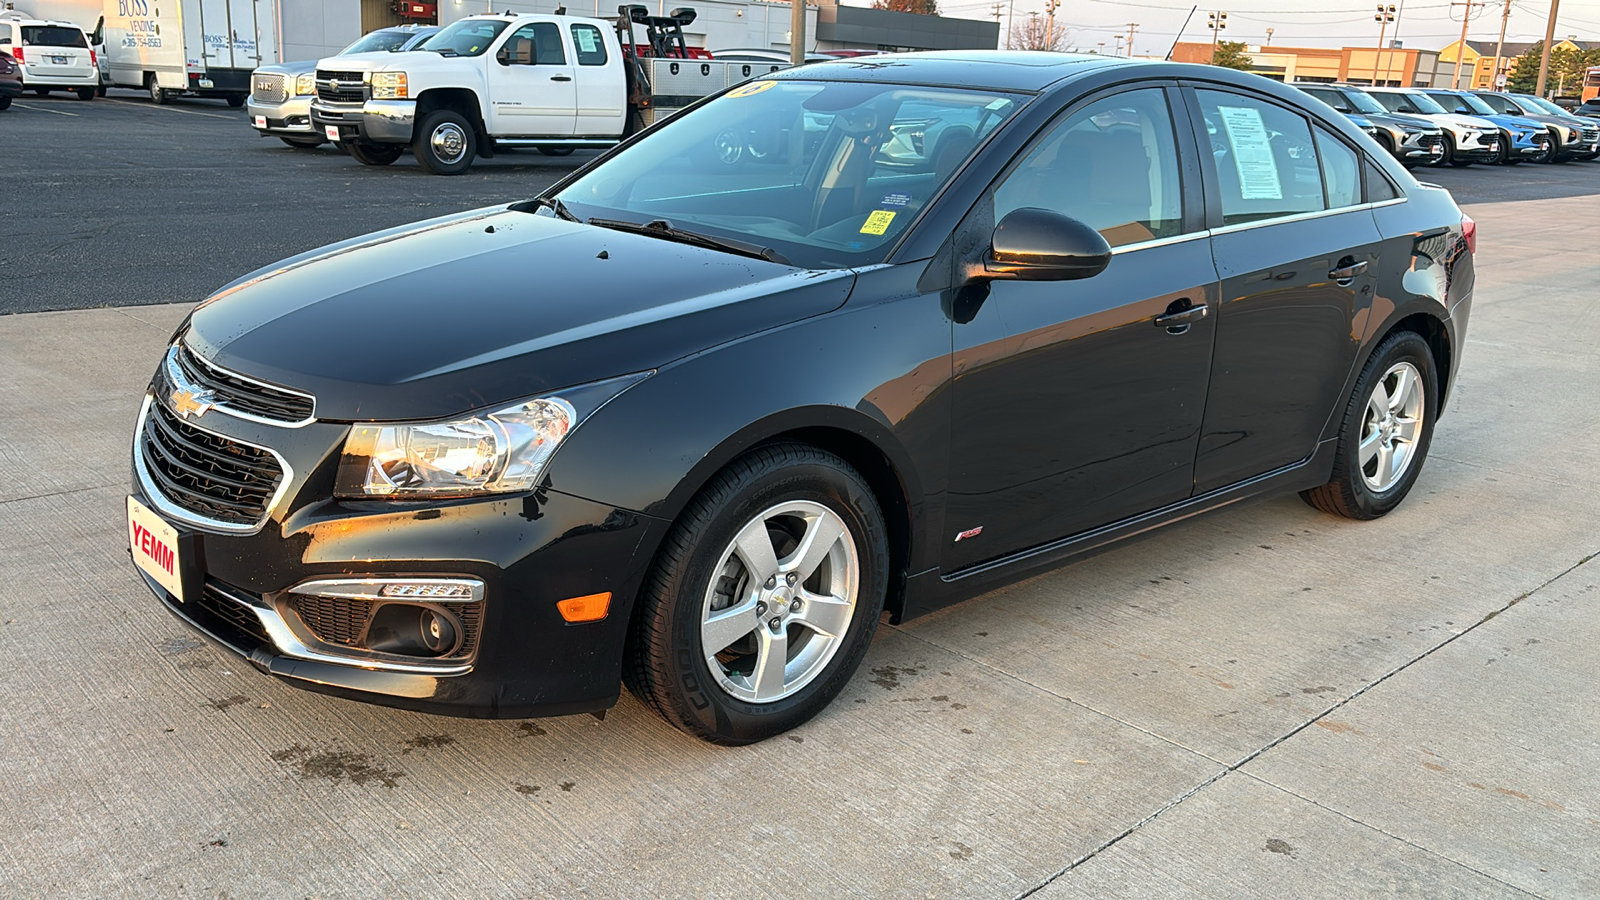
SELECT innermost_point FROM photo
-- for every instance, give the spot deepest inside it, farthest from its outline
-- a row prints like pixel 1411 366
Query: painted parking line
pixel 187 112
pixel 42 109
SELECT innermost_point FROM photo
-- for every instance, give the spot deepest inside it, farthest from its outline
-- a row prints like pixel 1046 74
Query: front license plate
pixel 333 132
pixel 261 121
pixel 155 547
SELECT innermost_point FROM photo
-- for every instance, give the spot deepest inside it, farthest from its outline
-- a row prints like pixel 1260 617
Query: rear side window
pixel 1112 165
pixel 591 49
pixel 1500 104
pixel 1379 187
pixel 1341 171
pixel 52 36
pixel 1265 159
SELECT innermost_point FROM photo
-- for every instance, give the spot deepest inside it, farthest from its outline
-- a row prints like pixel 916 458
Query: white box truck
pixel 202 47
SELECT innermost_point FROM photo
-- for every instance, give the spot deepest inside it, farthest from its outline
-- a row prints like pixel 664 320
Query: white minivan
pixel 52 55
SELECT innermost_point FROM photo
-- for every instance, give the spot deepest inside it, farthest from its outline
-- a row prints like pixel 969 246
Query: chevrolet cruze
pixel 694 429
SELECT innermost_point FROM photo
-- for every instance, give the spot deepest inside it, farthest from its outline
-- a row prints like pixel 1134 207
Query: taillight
pixel 94 60
pixel 16 53
pixel 1469 233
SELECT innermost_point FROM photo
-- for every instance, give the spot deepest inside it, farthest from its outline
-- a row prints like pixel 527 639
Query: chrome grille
pixel 235 394
pixel 340 87
pixel 207 474
pixel 268 89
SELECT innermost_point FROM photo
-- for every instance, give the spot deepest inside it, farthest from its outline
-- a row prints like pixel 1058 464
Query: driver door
pixel 531 87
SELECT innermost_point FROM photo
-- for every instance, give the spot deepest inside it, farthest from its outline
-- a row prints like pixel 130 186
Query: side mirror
pixel 503 56
pixel 1039 245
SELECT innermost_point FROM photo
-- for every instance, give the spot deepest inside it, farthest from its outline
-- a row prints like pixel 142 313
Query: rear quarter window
pixel 52 36
pixel 591 49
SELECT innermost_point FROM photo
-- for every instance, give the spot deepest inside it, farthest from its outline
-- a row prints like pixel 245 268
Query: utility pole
pixel 1384 18
pixel 1216 21
pixel 1050 23
pixel 1500 48
pixel 1270 30
pixel 797 32
pixel 1461 49
pixel 1132 27
pixel 1549 37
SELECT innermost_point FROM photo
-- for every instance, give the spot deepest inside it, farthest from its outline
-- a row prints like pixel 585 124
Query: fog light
pixel 414 630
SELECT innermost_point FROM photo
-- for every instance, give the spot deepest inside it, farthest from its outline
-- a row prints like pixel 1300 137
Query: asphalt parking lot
pixel 1264 702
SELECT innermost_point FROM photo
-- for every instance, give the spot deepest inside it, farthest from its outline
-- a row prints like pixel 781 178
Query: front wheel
pixel 302 143
pixel 43 92
pixel 5 101
pixel 235 101
pixel 1386 431
pixel 555 151
pixel 763 597
pixel 445 143
pixel 374 154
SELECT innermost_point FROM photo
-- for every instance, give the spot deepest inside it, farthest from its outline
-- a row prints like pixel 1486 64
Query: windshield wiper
pixel 555 205
pixel 661 228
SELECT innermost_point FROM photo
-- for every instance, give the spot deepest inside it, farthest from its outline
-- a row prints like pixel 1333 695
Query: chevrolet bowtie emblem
pixel 334 85
pixel 186 403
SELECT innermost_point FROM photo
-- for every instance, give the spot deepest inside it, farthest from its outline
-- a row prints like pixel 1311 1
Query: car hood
pixel 1415 123
pixel 488 307
pixel 382 61
pixel 298 67
pixel 1510 121
pixel 1465 121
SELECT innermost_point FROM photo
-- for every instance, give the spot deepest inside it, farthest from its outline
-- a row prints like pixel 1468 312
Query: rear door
pixel 1297 251
pixel 601 89
pixel 1073 408
pixel 56 52
pixel 532 92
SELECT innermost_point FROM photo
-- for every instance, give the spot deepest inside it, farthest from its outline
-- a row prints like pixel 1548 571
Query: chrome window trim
pixel 1159 242
pixel 172 510
pixel 1300 217
pixel 288 641
pixel 176 376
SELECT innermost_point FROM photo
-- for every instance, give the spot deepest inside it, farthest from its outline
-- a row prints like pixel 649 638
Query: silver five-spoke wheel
pixel 782 598
pixel 1391 426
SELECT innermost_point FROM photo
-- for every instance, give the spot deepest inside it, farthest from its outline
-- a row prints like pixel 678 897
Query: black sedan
pixel 694 428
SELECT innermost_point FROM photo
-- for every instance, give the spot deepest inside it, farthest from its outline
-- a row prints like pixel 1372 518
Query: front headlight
pixel 306 85
pixel 389 86
pixel 489 453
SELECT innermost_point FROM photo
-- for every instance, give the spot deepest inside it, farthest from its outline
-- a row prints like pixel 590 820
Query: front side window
pixel 538 44
pixel 590 46
pixel 1266 162
pixel 1112 165
pixel 1501 104
pixel 827 174
pixel 1362 101
pixel 467 37
pixel 1332 98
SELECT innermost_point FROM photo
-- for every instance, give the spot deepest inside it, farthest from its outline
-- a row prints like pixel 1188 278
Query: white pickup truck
pixel 551 82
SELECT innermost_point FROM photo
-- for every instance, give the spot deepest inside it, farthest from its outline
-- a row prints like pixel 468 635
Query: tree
pixel 1524 74
pixel 920 7
pixel 1231 55
pixel 1033 33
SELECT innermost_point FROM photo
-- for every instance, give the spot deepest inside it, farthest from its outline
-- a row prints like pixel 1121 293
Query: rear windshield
pixel 52 36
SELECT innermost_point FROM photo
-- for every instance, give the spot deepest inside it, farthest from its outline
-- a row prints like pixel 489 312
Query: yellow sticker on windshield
pixel 878 222
pixel 750 90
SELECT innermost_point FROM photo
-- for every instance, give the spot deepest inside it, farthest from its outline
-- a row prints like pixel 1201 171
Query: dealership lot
pixel 1262 702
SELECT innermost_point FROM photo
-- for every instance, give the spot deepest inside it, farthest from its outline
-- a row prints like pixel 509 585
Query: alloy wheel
pixel 449 143
pixel 783 596
pixel 1390 427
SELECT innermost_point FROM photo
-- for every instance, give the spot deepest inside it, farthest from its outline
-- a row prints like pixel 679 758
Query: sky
pixel 1423 24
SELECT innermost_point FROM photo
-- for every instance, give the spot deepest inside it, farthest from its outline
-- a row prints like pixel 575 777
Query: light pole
pixel 1384 18
pixel 1270 30
pixel 1544 59
pixel 1216 22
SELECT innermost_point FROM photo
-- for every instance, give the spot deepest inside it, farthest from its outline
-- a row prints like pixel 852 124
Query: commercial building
pixel 1393 67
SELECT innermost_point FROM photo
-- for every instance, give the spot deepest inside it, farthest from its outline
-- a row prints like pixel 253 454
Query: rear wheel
pixel 235 101
pixel 445 143
pixel 158 95
pixel 302 143
pixel 1387 427
pixel 87 93
pixel 43 92
pixel 374 154
pixel 763 597
pixel 555 151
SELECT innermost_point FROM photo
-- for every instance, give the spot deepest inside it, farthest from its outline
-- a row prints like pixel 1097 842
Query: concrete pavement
pixel 1264 702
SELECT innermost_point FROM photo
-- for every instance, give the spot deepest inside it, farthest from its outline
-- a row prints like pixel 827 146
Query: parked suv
pixel 1467 139
pixel 1521 138
pixel 10 80
pixel 1575 137
pixel 281 95
pixel 1411 139
pixel 1589 108
pixel 51 55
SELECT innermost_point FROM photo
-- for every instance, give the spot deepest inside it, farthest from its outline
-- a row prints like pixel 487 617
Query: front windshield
pixel 466 37
pixel 1546 105
pixel 1476 104
pixel 1363 102
pixel 1425 103
pixel 827 174
pixel 377 42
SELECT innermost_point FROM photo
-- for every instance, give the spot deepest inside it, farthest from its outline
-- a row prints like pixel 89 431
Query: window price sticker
pixel 878 222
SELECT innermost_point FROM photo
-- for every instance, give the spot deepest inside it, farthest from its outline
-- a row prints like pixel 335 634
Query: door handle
pixel 1178 321
pixel 1347 270
pixel 560 77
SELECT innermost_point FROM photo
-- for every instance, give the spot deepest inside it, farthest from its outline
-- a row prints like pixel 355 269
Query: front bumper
pixel 1422 147
pixel 374 121
pixel 1534 145
pixel 1485 148
pixel 528 551
pixel 291 117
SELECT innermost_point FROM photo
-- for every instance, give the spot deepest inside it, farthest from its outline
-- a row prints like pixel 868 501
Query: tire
pixel 1448 154
pixel 445 143
pixel 555 151
pixel 374 154
pixel 100 91
pixel 773 497
pixel 43 92
pixel 158 95
pixel 1401 368
pixel 302 143
pixel 5 101
pixel 235 101
pixel 87 94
